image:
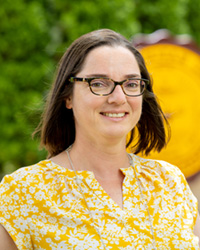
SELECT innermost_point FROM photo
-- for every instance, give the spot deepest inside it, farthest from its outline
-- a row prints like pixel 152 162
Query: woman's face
pixel 105 117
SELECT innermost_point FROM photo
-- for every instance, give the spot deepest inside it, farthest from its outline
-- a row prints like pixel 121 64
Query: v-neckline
pixel 88 178
pixel 95 187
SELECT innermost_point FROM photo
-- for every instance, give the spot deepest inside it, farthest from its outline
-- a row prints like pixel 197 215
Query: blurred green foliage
pixel 33 37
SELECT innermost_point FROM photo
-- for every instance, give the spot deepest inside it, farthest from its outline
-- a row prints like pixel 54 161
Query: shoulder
pixel 166 175
pixel 161 167
pixel 29 174
pixel 162 172
pixel 169 177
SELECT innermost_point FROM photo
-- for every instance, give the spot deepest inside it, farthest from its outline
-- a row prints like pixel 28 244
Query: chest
pixel 113 188
pixel 81 217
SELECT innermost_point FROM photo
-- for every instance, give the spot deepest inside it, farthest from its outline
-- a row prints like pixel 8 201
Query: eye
pixel 99 83
pixel 132 83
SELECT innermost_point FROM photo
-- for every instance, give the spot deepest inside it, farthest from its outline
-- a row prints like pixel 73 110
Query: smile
pixel 118 115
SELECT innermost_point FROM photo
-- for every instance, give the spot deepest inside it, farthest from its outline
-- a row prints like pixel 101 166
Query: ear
pixel 68 103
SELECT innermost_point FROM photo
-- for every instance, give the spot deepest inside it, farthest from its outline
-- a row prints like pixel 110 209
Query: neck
pixel 102 159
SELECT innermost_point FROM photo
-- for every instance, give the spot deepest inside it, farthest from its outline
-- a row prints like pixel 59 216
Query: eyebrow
pixel 104 75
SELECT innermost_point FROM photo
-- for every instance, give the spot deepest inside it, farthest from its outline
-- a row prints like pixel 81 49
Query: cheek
pixel 84 107
pixel 136 104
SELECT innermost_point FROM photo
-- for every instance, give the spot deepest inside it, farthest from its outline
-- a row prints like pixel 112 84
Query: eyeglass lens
pixel 131 87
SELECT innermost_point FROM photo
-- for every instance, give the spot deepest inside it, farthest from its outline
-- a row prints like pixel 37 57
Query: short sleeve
pixel 182 185
pixel 189 197
pixel 13 214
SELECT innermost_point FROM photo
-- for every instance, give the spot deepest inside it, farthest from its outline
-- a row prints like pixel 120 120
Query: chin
pixel 116 133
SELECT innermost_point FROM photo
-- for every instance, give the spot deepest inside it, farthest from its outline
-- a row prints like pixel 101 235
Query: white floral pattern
pixel 41 208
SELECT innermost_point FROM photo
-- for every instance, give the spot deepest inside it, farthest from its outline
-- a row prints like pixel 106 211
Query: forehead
pixel 110 59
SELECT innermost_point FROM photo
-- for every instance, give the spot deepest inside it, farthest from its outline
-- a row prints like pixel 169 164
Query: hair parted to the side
pixel 57 128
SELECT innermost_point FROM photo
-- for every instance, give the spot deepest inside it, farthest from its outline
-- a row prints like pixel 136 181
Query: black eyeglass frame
pixel 89 79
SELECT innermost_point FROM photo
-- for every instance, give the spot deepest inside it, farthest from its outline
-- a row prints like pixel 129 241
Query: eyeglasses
pixel 104 86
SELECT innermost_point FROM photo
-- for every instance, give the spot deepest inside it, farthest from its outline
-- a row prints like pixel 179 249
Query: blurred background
pixel 33 36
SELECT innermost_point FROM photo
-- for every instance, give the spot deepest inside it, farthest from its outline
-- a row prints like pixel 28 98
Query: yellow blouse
pixel 42 208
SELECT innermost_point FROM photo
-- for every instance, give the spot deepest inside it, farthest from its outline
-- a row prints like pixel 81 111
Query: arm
pixel 197 228
pixel 6 241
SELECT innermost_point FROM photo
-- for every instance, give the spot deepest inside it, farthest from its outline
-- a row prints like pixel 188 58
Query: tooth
pixel 115 114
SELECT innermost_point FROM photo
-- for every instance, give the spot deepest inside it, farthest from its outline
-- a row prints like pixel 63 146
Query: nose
pixel 117 96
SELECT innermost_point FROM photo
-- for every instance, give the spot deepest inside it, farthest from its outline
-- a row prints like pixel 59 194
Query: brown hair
pixel 57 128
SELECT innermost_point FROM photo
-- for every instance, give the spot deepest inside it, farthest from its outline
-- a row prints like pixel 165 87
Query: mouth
pixel 114 115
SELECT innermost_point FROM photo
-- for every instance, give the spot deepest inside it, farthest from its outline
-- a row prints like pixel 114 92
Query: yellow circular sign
pixel 176 82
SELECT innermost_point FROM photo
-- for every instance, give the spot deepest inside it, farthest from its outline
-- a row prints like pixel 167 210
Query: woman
pixel 90 193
